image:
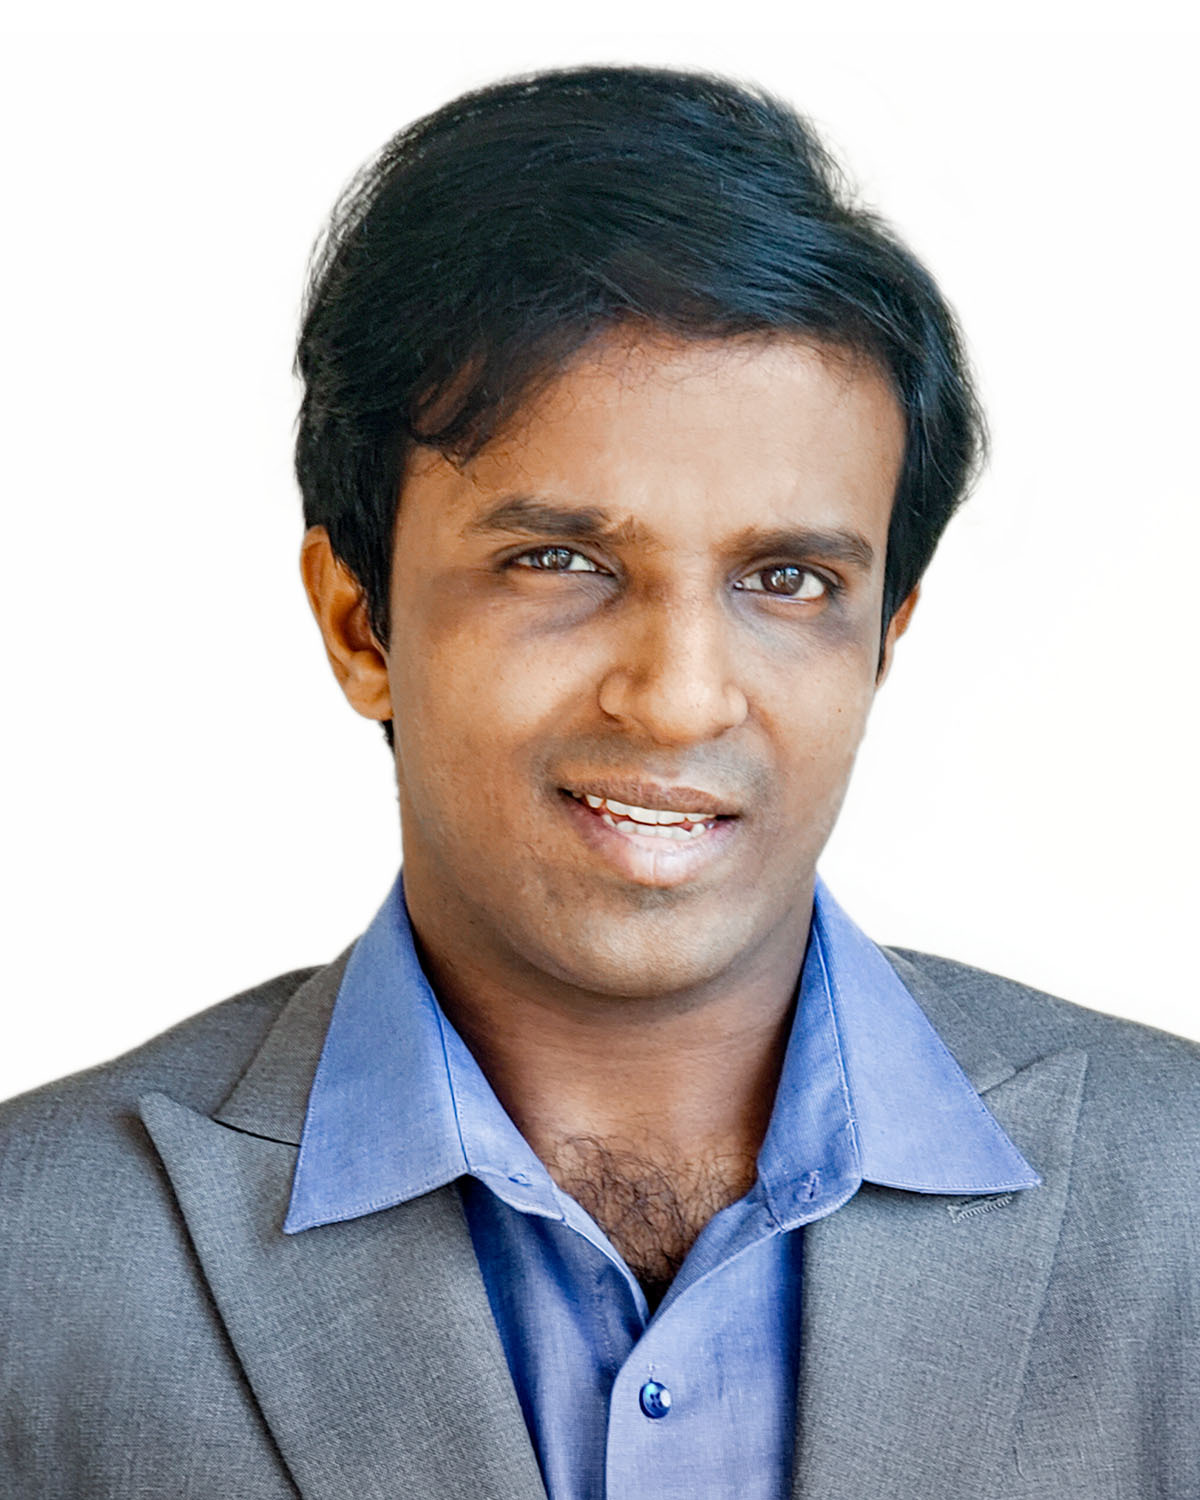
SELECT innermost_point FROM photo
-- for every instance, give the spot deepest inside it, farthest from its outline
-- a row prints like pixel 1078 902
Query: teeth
pixel 654 830
pixel 649 817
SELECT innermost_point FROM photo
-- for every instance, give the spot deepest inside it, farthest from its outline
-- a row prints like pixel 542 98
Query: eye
pixel 555 560
pixel 785 581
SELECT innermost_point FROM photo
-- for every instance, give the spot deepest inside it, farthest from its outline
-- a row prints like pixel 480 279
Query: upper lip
pixel 651 794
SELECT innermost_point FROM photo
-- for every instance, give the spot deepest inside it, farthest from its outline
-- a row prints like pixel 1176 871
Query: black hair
pixel 489 241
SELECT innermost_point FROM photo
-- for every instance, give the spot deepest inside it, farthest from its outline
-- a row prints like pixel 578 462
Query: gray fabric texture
pixel 161 1337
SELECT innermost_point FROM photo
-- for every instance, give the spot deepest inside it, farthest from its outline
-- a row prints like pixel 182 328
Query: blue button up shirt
pixel 698 1399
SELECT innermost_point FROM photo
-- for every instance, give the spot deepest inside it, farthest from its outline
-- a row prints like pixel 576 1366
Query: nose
pixel 672 677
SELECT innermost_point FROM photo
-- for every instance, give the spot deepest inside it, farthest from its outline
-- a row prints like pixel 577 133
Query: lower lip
pixel 649 859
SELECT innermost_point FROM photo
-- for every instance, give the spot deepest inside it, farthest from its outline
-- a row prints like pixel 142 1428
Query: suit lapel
pixel 919 1311
pixel 371 1348
pixel 369 1345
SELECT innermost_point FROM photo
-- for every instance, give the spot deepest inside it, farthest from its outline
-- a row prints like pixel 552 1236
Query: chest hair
pixel 652 1211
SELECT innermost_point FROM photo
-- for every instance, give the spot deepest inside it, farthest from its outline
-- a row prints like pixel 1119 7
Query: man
pixel 613 1158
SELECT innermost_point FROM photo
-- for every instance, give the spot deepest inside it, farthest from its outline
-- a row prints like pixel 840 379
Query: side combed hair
pixel 489 241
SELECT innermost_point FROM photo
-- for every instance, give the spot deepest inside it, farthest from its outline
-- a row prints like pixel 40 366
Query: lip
pixel 681 799
pixel 645 859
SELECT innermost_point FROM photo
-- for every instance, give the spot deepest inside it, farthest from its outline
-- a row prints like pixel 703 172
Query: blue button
pixel 655 1399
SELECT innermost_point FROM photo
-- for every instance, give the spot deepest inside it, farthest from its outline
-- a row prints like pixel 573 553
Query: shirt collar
pixel 398 1105
pixel 868 1091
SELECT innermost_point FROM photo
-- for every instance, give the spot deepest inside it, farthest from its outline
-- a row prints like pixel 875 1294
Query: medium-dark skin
pixel 661 585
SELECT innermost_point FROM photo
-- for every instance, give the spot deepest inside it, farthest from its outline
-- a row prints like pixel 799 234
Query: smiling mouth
pixel 677 826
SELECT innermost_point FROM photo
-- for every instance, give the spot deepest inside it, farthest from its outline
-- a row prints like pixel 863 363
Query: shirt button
pixel 655 1399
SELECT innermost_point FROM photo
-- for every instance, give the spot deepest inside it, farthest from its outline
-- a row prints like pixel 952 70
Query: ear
pixel 359 662
pixel 897 627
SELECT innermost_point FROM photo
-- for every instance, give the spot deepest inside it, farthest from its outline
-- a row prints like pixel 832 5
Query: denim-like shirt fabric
pixel 868 1092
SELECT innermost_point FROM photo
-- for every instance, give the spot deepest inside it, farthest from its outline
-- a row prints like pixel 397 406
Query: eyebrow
pixel 582 523
pixel 524 514
pixel 835 543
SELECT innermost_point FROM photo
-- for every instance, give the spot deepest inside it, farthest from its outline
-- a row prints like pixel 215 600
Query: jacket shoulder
pixel 1031 1021
pixel 83 1129
pixel 1141 1097
pixel 197 1061
pixel 112 1359
pixel 77 1168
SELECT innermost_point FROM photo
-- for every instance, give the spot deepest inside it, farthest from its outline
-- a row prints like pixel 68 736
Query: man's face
pixel 634 645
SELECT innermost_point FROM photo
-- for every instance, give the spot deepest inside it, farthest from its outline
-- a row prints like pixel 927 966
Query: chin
pixel 638 959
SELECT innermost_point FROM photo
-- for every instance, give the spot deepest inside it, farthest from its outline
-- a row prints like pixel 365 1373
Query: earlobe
pixel 359 662
pixel 896 628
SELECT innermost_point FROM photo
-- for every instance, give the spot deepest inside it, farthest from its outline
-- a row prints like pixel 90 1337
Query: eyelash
pixel 830 586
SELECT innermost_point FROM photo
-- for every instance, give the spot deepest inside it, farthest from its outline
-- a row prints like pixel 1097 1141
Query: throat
pixel 652 1211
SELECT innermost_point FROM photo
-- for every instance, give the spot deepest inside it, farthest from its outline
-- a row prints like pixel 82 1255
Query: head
pixel 626 439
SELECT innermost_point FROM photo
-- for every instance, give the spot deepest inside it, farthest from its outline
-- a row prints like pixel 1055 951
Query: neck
pixel 681 1079
pixel 648 1110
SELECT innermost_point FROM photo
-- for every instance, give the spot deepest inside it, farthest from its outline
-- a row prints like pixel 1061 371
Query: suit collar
pixel 919 1312
pixel 271 1097
pixel 370 1345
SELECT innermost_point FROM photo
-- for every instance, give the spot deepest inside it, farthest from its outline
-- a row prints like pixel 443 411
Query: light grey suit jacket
pixel 162 1338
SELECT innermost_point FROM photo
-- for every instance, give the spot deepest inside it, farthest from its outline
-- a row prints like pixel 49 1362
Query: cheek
pixel 468 695
pixel 818 681
pixel 818 731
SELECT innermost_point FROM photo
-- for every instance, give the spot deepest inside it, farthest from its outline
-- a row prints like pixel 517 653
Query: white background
pixel 189 805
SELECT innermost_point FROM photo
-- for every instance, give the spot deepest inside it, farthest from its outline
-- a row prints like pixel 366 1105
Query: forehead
pixel 693 437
